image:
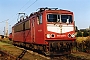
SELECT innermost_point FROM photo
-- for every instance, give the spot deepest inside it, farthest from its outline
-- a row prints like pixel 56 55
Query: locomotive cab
pixel 59 31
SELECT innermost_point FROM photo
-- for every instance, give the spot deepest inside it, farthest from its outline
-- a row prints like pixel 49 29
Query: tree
pixel 79 34
pixel 85 34
pixel 89 33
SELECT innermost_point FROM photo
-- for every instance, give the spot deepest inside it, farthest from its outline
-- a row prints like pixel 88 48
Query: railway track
pixel 64 57
pixel 67 58
pixel 6 56
pixel 31 52
pixel 16 53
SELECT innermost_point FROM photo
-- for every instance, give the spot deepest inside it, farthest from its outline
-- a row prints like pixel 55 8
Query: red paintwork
pixel 37 33
pixel 10 35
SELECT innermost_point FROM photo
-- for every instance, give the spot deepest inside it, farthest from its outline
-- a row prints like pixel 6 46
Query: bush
pixel 83 45
pixel 6 40
pixel 79 34
pixel 85 34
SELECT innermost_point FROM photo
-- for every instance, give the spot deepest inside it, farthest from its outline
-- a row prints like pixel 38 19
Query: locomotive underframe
pixel 59 47
pixel 52 48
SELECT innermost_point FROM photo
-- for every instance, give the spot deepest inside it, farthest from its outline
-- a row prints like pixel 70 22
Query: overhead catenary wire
pixel 24 5
pixel 30 5
pixel 22 8
pixel 4 21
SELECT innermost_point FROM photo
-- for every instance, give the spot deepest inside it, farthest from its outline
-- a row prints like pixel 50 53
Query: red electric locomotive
pixel 10 36
pixel 49 30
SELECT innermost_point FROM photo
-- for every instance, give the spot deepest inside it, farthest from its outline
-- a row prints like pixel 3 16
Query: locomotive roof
pixel 21 21
pixel 42 10
pixel 52 9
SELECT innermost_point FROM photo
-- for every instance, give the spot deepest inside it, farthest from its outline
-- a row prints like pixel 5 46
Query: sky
pixel 9 10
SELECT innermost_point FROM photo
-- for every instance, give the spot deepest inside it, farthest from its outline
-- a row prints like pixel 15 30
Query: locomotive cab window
pixel 53 18
pixel 59 18
pixel 39 19
pixel 66 19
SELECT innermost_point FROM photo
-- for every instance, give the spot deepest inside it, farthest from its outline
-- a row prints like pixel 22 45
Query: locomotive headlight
pixel 73 35
pixel 48 35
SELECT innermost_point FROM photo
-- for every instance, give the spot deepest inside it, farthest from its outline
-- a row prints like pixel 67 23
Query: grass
pixel 10 49
pixel 6 40
pixel 4 46
pixel 80 39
